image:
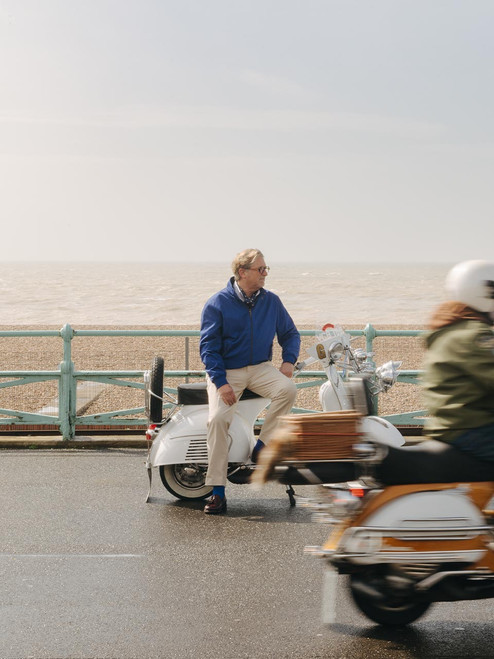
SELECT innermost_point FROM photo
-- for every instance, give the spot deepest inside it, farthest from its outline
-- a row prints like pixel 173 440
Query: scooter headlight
pixel 336 350
pixel 362 541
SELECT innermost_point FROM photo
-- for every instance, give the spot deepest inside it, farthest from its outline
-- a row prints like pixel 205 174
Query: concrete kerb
pixel 79 442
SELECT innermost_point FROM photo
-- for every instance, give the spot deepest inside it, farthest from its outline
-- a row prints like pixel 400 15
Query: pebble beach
pixel 122 353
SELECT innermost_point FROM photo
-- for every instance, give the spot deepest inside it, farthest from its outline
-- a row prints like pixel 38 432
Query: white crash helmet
pixel 472 282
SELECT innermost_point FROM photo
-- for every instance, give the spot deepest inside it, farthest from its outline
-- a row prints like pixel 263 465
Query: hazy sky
pixel 186 130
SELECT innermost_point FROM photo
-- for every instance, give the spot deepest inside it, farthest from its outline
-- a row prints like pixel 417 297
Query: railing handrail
pixel 183 332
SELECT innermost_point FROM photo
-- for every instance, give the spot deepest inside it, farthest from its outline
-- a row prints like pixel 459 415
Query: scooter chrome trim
pixel 404 557
pixel 309 476
pixel 441 533
pixel 432 580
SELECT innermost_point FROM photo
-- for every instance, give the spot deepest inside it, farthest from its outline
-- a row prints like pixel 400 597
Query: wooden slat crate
pixel 320 436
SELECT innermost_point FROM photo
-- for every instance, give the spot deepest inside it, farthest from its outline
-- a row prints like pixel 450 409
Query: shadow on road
pixel 446 639
pixel 256 510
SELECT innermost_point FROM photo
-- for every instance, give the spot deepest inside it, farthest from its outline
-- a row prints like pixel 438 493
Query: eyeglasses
pixel 263 270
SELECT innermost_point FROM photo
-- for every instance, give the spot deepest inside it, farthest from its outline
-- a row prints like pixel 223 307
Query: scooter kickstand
pixel 291 495
pixel 150 476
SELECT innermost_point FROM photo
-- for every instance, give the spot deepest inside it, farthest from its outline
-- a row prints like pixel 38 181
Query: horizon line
pixel 225 262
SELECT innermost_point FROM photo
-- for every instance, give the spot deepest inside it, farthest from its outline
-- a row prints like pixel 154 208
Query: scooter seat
pixel 196 393
pixel 432 461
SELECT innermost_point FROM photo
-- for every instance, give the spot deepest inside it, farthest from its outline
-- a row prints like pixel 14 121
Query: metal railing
pixel 64 417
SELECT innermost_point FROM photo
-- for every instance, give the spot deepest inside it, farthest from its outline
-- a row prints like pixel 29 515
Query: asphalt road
pixel 88 569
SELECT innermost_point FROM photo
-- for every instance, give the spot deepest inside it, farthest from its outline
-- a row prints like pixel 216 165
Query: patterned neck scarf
pixel 249 301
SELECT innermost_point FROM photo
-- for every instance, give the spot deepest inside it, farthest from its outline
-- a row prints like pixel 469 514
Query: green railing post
pixel 187 351
pixel 370 334
pixel 67 390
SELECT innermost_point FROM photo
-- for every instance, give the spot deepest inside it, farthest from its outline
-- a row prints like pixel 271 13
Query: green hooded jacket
pixel 458 384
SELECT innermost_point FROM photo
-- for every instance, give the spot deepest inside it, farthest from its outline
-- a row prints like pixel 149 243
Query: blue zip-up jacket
pixel 234 335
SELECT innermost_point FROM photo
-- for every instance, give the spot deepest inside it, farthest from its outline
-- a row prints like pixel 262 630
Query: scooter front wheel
pixel 185 481
pixel 386 610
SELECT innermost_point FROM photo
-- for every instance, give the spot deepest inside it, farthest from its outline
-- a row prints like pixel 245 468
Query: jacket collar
pixel 240 295
pixel 453 312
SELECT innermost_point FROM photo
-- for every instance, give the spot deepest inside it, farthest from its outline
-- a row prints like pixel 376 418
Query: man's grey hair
pixel 245 259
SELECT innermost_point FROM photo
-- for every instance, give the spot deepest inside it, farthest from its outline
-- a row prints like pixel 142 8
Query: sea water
pixel 160 294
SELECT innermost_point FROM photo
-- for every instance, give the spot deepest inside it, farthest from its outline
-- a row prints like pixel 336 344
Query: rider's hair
pixel 244 259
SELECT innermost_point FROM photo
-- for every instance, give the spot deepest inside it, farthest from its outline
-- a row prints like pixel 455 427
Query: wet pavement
pixel 88 569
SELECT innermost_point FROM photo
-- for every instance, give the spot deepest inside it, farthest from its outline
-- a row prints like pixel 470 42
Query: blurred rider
pixel 458 384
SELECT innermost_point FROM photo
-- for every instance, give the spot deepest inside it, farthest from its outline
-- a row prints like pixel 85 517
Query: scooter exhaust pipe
pixel 312 473
pixel 282 474
pixel 452 589
pixel 315 473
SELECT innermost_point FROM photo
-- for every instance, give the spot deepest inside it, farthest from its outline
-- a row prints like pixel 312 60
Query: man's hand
pixel 287 369
pixel 227 394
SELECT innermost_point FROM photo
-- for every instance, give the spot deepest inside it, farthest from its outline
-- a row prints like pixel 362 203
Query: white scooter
pixel 178 446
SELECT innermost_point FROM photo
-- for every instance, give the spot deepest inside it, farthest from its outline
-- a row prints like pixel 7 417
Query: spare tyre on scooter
pixel 153 390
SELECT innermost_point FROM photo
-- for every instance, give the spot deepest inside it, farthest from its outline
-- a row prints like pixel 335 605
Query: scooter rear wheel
pixel 185 481
pixel 387 611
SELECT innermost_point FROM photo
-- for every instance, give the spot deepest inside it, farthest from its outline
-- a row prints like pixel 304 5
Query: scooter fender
pixel 426 510
pixel 333 397
pixel 183 439
pixel 378 430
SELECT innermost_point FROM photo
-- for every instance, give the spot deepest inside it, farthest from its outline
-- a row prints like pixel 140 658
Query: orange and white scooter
pixel 411 528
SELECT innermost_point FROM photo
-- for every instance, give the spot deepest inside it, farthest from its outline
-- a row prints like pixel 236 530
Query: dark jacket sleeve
pixel 288 336
pixel 210 344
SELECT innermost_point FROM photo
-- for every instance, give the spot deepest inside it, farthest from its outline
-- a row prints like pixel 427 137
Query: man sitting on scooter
pixel 238 326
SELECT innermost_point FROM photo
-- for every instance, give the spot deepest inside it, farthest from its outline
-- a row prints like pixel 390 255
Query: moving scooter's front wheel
pixel 385 610
pixel 185 481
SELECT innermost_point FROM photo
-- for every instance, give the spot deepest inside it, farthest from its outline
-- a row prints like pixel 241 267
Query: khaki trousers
pixel 264 379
